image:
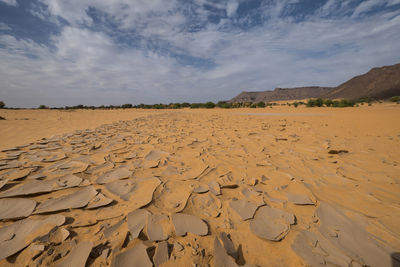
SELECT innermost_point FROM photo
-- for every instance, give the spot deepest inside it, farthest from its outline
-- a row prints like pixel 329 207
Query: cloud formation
pixel 115 52
pixel 10 2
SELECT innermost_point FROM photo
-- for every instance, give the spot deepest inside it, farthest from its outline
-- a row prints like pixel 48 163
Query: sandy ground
pixel 264 187
pixel 22 126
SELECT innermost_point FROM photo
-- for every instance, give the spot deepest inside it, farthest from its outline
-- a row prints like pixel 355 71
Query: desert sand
pixel 278 186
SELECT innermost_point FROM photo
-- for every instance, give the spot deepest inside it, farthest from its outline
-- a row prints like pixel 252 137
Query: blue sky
pixel 58 52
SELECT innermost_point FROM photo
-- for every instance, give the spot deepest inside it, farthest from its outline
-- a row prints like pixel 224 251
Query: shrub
pixel 261 104
pixel 209 105
pixel 310 103
pixel 185 105
pixel 126 106
pixel 393 99
pixel 196 105
pixel 224 104
pixel 365 99
pixel 253 106
pixel 295 104
pixel 2 105
pixel 43 107
pixel 328 102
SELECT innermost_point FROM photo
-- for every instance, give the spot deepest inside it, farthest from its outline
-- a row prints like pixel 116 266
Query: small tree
pixel 328 102
pixel 210 105
pixel 185 105
pixel 42 107
pixel 261 104
pixel 393 99
pixel 2 105
pixel 126 106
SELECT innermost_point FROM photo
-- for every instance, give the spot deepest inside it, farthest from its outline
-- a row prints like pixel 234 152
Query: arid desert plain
pixel 279 186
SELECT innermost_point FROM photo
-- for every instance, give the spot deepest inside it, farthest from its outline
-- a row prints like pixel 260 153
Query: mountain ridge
pixel 379 83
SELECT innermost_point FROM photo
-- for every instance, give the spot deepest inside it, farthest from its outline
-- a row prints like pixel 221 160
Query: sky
pixel 112 52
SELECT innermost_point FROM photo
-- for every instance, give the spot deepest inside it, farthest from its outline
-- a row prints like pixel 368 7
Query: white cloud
pixel 369 5
pixel 231 7
pixel 4 27
pixel 10 2
pixel 87 67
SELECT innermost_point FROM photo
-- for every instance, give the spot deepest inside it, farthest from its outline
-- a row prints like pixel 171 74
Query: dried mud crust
pixel 177 189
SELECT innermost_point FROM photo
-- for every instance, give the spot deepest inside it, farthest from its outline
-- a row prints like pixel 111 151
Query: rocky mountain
pixel 378 83
pixel 283 94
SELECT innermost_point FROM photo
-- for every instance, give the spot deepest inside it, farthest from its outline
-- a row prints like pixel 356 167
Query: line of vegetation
pixel 316 102
pixel 319 102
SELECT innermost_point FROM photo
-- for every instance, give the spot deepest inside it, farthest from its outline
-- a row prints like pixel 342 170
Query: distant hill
pixel 378 83
pixel 282 94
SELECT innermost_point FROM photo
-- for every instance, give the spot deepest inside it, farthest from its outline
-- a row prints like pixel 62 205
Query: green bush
pixel 253 105
pixel 261 104
pixel 185 104
pixel 393 99
pixel 295 104
pixel 328 102
pixel 224 104
pixel 2 105
pixel 315 102
pixel 196 105
pixel 43 107
pixel 209 105
pixel 126 106
pixel 365 99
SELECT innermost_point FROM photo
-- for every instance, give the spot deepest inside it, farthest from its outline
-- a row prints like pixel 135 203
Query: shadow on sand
pixel 396 259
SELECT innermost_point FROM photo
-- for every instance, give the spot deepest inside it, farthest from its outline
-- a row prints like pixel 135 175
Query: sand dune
pixel 245 187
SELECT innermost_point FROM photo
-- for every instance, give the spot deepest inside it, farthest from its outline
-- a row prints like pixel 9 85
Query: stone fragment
pixel 271 223
pixel 161 254
pixel 60 235
pixel 18 174
pixel 150 164
pixel 228 245
pixel 98 201
pixel 136 221
pixel 114 175
pixel 31 187
pixel 195 171
pixel 178 247
pixel 155 155
pixel 100 168
pixel 133 257
pixel 72 167
pixel 142 193
pixel 173 196
pixel 3 182
pixel 52 157
pixel 221 258
pixel 78 256
pixel 122 188
pixel 38 186
pixel 75 200
pixel 244 208
pixel 185 223
pixel 299 199
pixel 157 225
pixel 206 204
pixel 14 208
pixel 20 234
pixel 214 188
pixel 201 189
